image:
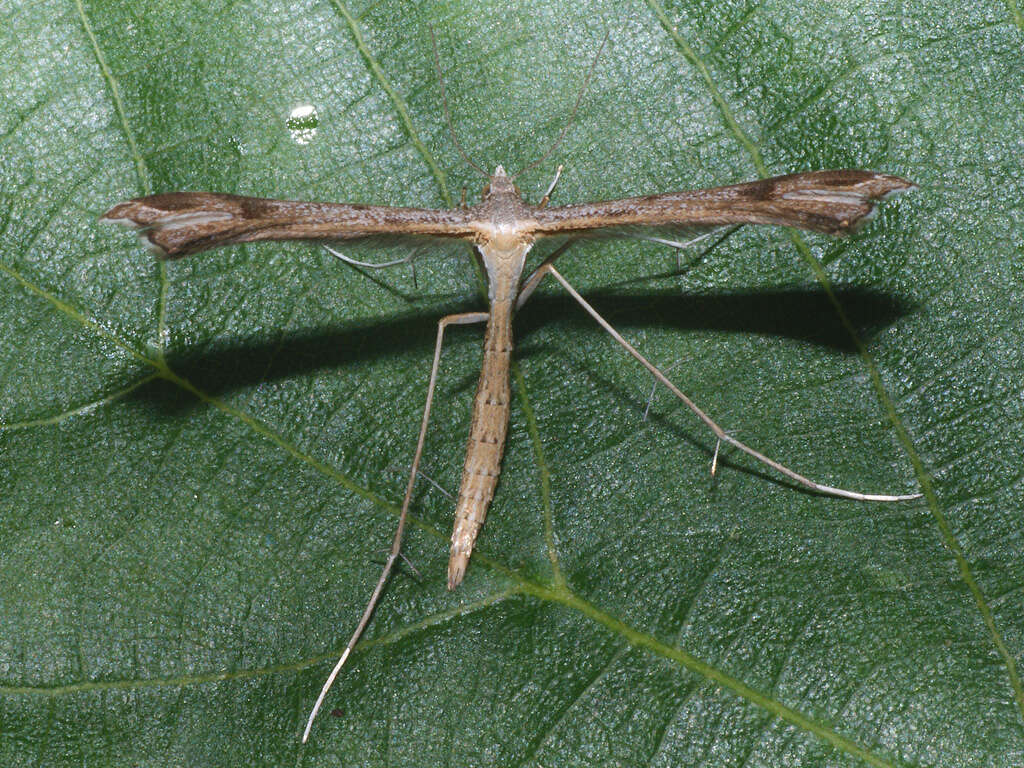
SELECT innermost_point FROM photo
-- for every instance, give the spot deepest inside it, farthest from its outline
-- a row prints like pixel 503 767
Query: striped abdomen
pixel 486 439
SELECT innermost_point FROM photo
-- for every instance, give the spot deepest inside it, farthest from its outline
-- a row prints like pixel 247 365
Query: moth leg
pixel 681 244
pixel 396 544
pixel 729 231
pixel 441 489
pixel 717 430
pixel 654 391
pixel 551 187
pixel 368 265
pixel 530 284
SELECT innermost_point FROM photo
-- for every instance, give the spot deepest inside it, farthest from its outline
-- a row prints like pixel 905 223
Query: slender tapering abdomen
pixel 486 439
pixel 503 255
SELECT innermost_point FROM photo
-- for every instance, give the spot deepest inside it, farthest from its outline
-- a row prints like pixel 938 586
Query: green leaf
pixel 200 461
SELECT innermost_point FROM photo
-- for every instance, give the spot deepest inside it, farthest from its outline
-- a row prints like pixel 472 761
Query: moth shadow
pixel 802 314
pixel 227 365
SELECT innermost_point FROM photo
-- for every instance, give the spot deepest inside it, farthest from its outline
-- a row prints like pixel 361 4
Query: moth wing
pixel 835 202
pixel 177 224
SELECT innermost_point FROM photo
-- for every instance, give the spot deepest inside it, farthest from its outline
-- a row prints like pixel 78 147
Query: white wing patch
pixel 168 221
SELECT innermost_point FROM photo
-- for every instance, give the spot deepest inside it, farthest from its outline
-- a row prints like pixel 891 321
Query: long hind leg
pixel 396 544
pixel 548 268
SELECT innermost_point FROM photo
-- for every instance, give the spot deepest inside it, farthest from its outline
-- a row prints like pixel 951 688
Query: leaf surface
pixel 200 462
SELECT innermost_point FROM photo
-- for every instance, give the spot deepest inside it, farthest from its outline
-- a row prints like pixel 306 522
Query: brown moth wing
pixel 835 202
pixel 181 223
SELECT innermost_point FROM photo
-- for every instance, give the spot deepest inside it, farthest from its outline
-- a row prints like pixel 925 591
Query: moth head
pixel 500 185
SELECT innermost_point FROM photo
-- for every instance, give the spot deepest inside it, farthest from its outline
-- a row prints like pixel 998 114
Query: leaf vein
pixel 399 103
pixel 543 469
pixel 141 171
pixel 903 435
pixel 925 480
pixel 115 94
pixel 57 418
pixel 714 674
pixel 723 107
pixel 74 313
pixel 599 674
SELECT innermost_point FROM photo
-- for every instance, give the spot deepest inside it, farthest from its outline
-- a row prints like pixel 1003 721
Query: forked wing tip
pixel 908 186
pixel 142 232
pixel 845 200
pixel 897 186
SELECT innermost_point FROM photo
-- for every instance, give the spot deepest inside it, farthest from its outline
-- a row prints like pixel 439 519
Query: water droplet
pixel 302 123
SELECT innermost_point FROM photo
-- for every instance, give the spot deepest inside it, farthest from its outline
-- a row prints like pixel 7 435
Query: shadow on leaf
pixel 800 314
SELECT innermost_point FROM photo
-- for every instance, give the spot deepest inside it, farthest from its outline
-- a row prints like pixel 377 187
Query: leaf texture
pixel 200 461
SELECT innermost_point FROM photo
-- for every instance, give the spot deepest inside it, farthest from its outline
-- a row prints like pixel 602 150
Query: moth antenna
pixel 575 107
pixel 447 114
